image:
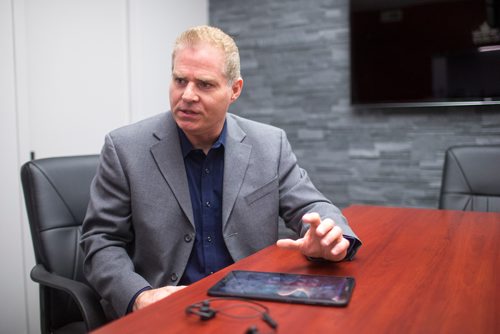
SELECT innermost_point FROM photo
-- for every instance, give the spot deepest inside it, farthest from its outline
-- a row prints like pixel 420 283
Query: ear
pixel 236 89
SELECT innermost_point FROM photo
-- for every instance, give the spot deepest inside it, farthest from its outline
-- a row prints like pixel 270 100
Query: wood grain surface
pixel 418 271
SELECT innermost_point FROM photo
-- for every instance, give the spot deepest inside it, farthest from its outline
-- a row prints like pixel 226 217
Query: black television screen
pixel 425 51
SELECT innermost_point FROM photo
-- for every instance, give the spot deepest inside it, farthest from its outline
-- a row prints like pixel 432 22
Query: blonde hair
pixel 217 38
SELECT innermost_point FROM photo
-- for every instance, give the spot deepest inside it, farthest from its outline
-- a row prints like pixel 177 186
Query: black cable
pixel 205 309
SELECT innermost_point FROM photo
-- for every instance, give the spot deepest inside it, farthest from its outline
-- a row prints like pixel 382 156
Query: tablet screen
pixel 292 288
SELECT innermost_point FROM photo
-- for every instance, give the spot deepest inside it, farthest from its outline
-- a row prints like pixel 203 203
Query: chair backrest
pixel 471 178
pixel 56 193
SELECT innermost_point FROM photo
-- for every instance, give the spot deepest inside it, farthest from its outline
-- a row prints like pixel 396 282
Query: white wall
pixel 13 315
pixel 76 58
pixel 70 71
pixel 154 26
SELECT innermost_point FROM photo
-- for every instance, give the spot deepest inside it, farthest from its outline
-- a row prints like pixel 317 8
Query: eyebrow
pixel 207 80
pixel 177 75
pixel 200 79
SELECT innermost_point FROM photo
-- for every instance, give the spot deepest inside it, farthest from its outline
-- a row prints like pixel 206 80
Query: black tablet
pixel 284 287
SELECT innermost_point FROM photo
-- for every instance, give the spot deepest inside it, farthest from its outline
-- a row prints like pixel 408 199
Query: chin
pixel 190 128
pixel 186 127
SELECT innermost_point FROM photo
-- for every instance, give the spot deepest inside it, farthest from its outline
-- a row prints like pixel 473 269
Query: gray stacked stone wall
pixel 295 63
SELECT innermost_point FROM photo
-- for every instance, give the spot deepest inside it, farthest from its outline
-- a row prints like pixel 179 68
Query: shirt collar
pixel 187 147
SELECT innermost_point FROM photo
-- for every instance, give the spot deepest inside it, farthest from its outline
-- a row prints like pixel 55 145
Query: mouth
pixel 187 112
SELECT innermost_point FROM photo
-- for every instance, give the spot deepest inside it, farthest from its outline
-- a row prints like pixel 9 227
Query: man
pixel 186 193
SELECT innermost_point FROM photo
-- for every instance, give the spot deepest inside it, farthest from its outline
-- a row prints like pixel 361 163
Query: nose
pixel 189 94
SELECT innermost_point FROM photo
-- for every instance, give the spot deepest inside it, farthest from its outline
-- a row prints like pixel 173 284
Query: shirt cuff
pixel 354 245
pixel 132 301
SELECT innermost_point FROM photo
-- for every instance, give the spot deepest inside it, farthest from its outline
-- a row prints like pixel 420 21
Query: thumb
pixel 290 243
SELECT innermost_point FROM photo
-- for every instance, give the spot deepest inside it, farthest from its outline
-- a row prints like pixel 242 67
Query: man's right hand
pixel 149 297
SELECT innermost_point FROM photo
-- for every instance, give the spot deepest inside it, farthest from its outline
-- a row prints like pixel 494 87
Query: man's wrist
pixel 132 305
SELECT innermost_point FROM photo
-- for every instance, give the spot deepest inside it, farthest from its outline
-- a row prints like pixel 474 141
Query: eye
pixel 179 81
pixel 205 85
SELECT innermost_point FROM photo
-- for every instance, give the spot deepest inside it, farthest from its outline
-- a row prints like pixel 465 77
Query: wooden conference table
pixel 418 271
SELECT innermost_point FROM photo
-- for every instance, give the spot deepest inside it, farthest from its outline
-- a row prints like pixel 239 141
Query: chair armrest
pixel 86 299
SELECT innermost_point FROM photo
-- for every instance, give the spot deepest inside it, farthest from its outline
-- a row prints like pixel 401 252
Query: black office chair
pixel 471 179
pixel 56 192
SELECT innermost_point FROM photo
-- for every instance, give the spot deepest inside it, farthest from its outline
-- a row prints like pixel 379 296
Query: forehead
pixel 200 59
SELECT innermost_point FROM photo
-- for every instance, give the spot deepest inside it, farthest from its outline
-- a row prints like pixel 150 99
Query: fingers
pixel 339 251
pixel 312 218
pixel 290 244
pixel 329 234
pixel 325 229
pixel 321 227
pixel 323 239
pixel 334 245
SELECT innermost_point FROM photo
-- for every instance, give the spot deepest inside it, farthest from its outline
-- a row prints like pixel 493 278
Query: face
pixel 199 92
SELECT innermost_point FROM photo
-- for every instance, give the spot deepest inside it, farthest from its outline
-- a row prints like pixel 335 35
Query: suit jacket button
pixel 187 237
pixel 173 277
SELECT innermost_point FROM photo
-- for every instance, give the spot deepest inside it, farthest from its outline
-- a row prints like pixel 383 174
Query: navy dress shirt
pixel 205 175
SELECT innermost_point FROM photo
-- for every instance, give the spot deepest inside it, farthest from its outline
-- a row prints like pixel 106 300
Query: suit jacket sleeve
pixel 298 196
pixel 107 232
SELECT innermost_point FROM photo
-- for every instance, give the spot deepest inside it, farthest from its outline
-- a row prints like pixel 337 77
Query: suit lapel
pixel 170 162
pixel 236 159
pixel 168 157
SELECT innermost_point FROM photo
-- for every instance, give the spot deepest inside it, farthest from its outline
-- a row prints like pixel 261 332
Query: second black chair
pixel 471 178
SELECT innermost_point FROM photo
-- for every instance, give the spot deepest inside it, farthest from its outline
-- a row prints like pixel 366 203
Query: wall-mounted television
pixel 425 52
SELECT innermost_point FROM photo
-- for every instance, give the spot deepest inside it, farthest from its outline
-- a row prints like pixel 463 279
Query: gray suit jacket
pixel 139 227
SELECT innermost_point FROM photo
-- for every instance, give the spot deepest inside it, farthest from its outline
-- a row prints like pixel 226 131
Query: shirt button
pixel 208 204
pixel 173 277
pixel 187 237
pixel 209 239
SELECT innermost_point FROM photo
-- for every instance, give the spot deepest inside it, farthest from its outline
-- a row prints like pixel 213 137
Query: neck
pixel 203 143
